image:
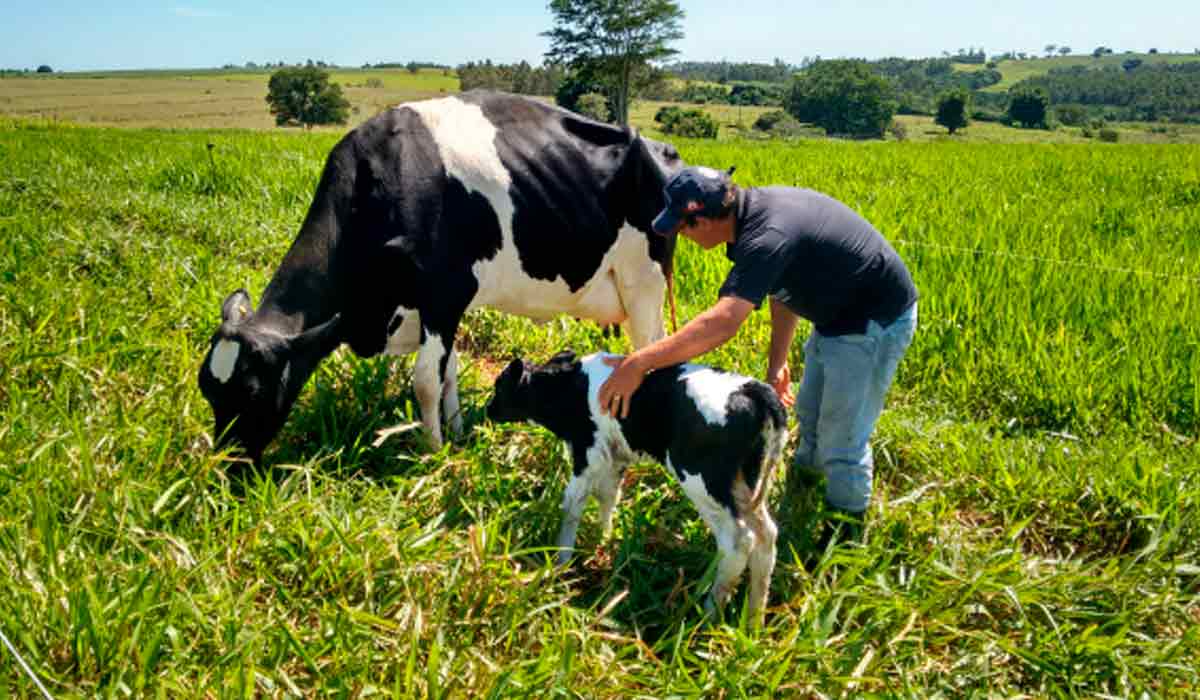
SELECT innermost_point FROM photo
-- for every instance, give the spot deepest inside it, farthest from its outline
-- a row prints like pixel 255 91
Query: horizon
pixel 70 36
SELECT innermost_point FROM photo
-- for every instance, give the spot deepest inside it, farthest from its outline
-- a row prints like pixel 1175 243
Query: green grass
pixel 1034 530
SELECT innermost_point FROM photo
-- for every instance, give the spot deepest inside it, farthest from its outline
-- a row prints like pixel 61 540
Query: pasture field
pixel 1035 530
pixel 200 98
pixel 236 99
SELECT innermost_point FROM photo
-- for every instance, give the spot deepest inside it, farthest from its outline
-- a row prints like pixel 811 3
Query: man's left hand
pixel 616 392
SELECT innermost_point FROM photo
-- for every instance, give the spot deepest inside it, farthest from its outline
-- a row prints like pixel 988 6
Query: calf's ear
pixel 236 307
pixel 563 360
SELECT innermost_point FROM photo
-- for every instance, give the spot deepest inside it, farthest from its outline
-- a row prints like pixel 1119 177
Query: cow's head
pixel 252 374
pixel 654 163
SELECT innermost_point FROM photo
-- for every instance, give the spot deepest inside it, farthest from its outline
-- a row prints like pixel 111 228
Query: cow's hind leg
pixel 762 560
pixel 641 286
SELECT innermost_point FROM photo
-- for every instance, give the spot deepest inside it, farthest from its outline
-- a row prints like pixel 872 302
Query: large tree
pixel 305 96
pixel 616 41
pixel 843 97
pixel 953 108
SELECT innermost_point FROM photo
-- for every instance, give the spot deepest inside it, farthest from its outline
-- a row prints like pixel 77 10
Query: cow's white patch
pixel 466 144
pixel 710 390
pixel 708 172
pixel 224 359
pixel 427 385
pixel 407 338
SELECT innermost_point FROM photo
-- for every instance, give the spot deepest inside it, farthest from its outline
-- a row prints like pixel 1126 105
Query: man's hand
pixel 781 381
pixel 617 391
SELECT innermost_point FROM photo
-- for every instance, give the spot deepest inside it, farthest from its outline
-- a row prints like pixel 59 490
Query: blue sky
pixel 79 35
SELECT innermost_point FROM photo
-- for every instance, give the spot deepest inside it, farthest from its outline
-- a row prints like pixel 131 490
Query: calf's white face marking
pixel 224 359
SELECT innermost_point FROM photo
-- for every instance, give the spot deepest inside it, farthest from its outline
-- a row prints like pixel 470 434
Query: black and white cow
pixel 431 209
pixel 720 433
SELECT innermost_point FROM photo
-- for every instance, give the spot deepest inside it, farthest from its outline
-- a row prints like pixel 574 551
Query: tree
pixel 44 69
pixel 953 106
pixel 304 96
pixel 1028 106
pixel 615 41
pixel 843 97
pixel 1064 50
pixel 1050 49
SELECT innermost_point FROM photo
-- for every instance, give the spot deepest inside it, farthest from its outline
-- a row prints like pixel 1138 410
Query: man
pixel 816 259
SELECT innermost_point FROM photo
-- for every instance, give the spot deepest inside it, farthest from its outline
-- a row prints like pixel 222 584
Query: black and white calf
pixel 720 433
pixel 431 209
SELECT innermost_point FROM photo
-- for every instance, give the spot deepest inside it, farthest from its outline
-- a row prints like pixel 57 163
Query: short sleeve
pixel 758 265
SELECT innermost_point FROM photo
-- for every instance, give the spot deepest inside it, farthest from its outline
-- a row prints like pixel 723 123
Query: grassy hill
pixel 1016 71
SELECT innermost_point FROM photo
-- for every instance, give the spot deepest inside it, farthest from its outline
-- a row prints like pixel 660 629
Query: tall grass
pixel 1034 530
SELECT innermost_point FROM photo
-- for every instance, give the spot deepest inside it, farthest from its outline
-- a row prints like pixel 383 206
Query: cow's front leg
pixel 429 376
pixel 450 404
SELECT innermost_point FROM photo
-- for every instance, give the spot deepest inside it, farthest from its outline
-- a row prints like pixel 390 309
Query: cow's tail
pixel 668 266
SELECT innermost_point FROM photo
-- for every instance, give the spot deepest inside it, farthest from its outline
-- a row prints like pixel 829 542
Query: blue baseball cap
pixel 693 190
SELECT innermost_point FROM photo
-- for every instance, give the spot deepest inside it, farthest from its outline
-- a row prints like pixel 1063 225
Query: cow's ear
pixel 236 307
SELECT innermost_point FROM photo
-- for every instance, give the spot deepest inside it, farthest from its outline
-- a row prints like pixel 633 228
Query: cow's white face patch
pixel 710 390
pixel 224 359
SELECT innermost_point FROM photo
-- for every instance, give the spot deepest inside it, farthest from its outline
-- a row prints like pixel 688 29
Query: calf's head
pixel 252 374
pixel 522 387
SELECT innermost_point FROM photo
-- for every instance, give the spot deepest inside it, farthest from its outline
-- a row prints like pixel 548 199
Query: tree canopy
pixel 304 96
pixel 615 41
pixel 843 97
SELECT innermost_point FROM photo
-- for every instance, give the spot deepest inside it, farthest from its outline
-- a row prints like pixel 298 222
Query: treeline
pixel 918 82
pixel 727 72
pixel 412 66
pixel 520 78
pixel 1136 92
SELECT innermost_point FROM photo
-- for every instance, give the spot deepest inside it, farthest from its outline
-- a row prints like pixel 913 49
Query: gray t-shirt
pixel 818 257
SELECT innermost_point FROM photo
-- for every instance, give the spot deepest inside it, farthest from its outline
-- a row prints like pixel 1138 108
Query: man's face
pixel 707 233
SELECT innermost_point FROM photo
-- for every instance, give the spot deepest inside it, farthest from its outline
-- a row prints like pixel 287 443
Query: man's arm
pixel 783 330
pixel 710 329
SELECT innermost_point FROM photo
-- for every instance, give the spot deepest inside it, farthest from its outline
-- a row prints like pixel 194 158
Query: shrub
pixel 692 123
pixel 899 131
pixel 1109 135
pixel 1027 106
pixel 1071 115
pixel 594 106
pixel 778 123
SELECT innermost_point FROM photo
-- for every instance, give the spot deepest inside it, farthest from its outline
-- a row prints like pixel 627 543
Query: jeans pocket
pixel 852 344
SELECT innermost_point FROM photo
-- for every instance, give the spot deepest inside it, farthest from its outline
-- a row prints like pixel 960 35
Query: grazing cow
pixel 720 433
pixel 431 209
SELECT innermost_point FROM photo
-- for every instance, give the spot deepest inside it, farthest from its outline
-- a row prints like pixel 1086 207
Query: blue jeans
pixel 845 380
